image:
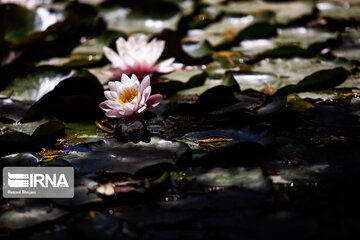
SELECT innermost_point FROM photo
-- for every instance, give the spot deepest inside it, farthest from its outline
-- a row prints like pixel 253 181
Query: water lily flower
pixel 128 98
pixel 138 56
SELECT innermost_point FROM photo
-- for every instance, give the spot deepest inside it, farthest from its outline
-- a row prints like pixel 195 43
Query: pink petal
pixel 144 84
pixel 145 96
pixel 104 107
pixel 113 104
pixel 113 57
pixel 129 108
pixel 120 43
pixel 153 101
pixel 125 79
pixel 110 95
pixel 112 86
pixel 113 114
pixel 165 66
pixel 142 109
pixel 130 119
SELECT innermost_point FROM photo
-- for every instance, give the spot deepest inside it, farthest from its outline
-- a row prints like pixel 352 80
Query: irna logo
pixel 38 182
pixel 33 180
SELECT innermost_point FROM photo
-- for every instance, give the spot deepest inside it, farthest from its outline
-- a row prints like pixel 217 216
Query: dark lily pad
pixel 349 48
pixel 145 16
pixel 12 110
pixel 86 132
pixel 234 177
pixel 40 81
pixel 289 71
pixel 16 220
pixel 19 159
pixel 172 86
pixel 67 100
pixel 284 12
pixel 45 135
pixel 129 158
pixel 341 13
pixel 319 80
pixel 21 22
pixel 174 48
pixel 82 197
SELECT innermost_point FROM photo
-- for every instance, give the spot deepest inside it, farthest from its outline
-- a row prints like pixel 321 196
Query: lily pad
pixel 44 135
pixel 284 12
pixel 341 13
pixel 129 158
pixel 288 71
pixel 19 159
pixel 67 100
pixel 319 80
pixel 86 132
pixel 16 220
pixel 21 22
pixel 145 17
pixel 82 197
pixel 12 110
pixel 180 80
pixel 349 48
pixel 226 29
pixel 40 81
pixel 302 37
pixel 234 177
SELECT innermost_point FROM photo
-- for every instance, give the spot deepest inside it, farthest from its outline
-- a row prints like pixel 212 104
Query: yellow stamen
pixel 128 95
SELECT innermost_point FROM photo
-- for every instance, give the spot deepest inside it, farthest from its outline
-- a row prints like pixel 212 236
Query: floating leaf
pixel 16 220
pixel 128 157
pixel 44 135
pixel 21 22
pixel 284 12
pixel 319 80
pixel 67 100
pixel 145 17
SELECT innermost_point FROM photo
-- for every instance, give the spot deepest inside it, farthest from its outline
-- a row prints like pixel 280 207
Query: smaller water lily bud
pixel 128 98
pixel 137 56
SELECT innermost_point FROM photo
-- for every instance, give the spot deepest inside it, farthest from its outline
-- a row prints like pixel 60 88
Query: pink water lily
pixel 128 98
pixel 137 56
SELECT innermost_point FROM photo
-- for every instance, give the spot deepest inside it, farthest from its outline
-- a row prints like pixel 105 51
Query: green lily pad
pixel 287 71
pixel 251 48
pixel 129 158
pixel 89 54
pixel 21 22
pixel 197 49
pixel 40 81
pixel 67 100
pixel 197 91
pixel 12 110
pixel 180 80
pixel 82 197
pixel 19 159
pixel 341 13
pixel 349 48
pixel 16 220
pixel 234 177
pixel 226 29
pixel 144 17
pixel 300 42
pixel 283 12
pixel 86 132
pixel 353 81
pixel 319 80
pixel 302 37
pixel 253 80
pixel 44 135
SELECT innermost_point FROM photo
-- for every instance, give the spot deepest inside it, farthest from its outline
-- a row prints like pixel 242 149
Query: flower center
pixel 127 95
